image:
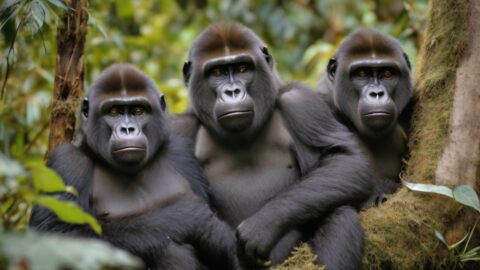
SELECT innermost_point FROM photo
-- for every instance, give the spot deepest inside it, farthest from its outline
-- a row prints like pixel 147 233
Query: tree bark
pixel 460 159
pixel 68 85
pixel 444 147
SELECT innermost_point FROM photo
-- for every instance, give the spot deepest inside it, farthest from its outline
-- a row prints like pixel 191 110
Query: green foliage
pixel 40 252
pixel 68 212
pixel 21 187
pixel 464 194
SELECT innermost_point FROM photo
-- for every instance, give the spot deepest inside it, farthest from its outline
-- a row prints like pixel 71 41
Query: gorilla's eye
pixel 387 74
pixel 114 111
pixel 137 111
pixel 362 73
pixel 243 68
pixel 217 72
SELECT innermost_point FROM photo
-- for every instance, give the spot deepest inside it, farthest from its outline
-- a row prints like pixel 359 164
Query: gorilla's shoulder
pixel 308 117
pixel 71 163
pixel 181 156
pixel 184 125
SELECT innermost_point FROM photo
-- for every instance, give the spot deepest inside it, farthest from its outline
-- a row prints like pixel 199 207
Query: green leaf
pixel 443 190
pixel 45 179
pixel 69 212
pixel 465 195
pixel 58 3
pixel 61 252
pixel 472 252
pixel 470 259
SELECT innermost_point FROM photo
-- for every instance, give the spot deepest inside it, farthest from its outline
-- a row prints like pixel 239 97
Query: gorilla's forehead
pixel 224 39
pixel 370 43
pixel 225 51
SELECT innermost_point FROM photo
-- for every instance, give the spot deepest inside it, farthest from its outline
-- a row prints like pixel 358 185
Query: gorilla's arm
pixel 75 168
pixel 149 233
pixel 334 173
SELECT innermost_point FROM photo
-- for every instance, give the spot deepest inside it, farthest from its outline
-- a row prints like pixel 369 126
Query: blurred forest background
pixel 155 36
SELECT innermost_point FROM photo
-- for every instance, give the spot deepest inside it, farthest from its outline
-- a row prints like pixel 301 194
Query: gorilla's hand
pixel 255 239
pixel 380 195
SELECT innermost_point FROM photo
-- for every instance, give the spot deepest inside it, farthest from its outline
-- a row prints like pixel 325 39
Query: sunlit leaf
pixel 430 188
pixel 69 212
pixel 465 195
pixel 45 179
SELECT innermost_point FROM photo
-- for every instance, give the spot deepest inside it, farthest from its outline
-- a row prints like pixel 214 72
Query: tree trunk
pixel 68 85
pixel 444 144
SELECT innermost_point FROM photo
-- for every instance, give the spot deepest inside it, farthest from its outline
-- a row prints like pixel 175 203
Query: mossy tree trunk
pixel 68 85
pixel 445 147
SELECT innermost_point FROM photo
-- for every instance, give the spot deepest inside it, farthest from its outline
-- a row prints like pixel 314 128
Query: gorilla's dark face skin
pixel 232 83
pixel 123 120
pixel 372 82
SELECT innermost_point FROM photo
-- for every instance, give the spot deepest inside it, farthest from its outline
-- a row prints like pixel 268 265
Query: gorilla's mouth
pixel 236 114
pixel 236 120
pixel 129 154
pixel 377 114
pixel 377 120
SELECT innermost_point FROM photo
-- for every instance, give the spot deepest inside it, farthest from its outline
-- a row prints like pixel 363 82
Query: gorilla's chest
pixel 244 178
pixel 118 195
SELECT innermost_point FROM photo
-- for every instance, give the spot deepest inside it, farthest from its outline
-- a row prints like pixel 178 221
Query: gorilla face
pixel 122 119
pixel 230 78
pixel 371 82
pixel 231 81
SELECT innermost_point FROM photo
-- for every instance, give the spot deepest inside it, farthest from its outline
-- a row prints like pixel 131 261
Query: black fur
pixel 179 231
pixel 293 174
pixel 385 144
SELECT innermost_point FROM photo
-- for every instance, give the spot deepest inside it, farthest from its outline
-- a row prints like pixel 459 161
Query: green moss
pixel 444 45
pixel 301 259
pixel 400 235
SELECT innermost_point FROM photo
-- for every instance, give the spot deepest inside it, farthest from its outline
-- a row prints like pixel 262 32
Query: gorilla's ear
pixel 267 56
pixel 186 70
pixel 85 107
pixel 332 68
pixel 407 60
pixel 163 104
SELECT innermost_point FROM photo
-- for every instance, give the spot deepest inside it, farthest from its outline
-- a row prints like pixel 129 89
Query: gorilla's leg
pixel 339 240
pixel 179 257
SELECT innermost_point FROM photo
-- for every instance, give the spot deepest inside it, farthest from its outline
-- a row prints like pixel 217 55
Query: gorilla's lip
pixel 128 149
pixel 377 114
pixel 236 114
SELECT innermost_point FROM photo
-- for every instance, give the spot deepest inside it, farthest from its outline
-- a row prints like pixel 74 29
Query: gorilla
pixel 369 86
pixel 280 173
pixel 142 184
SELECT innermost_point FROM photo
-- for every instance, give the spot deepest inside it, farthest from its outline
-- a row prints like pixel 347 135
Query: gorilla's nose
pixel 233 94
pixel 127 130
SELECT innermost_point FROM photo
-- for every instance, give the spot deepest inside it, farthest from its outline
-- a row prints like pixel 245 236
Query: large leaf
pixel 59 252
pixel 45 179
pixel 69 212
pixel 463 194
pixel 466 195
pixel 444 190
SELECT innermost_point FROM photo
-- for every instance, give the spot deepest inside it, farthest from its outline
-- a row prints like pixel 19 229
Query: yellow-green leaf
pixel 45 179
pixel 69 212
